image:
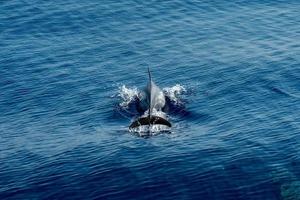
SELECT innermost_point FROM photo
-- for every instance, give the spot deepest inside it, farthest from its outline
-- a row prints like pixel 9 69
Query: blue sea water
pixel 63 130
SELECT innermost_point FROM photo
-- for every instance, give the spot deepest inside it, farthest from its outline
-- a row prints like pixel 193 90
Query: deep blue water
pixel 64 136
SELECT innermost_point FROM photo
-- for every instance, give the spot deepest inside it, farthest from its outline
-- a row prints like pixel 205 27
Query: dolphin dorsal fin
pixel 149 73
pixel 149 101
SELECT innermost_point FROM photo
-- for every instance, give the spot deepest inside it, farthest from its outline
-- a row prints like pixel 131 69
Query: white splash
pixel 149 130
pixel 174 92
pixel 127 95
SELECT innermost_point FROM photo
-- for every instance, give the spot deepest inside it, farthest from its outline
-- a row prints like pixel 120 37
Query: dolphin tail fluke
pixel 152 120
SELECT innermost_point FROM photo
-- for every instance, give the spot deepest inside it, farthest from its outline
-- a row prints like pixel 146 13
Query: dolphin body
pixel 153 99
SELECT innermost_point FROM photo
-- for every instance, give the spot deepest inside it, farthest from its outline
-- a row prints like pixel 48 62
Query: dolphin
pixel 154 100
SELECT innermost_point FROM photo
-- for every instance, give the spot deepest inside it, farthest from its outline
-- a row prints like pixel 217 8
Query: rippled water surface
pixel 63 128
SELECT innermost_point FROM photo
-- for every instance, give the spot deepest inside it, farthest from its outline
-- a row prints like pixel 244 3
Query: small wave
pixel 283 92
pixel 279 91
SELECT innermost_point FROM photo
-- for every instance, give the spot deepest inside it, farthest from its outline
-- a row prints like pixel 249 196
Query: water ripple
pixel 235 135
